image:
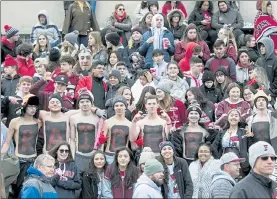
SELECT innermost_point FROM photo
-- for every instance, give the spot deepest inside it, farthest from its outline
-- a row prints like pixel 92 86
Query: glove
pixel 101 113
pixel 102 138
pixel 139 142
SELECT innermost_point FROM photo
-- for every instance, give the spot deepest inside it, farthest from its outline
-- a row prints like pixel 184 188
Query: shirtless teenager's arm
pixel 11 132
pixel 72 136
pixel 135 127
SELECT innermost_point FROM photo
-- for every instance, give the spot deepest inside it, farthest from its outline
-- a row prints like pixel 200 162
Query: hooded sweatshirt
pixel 184 63
pixel 222 185
pixel 49 29
pixel 159 35
pixel 146 188
pixel 269 62
pixel 37 185
pixel 69 182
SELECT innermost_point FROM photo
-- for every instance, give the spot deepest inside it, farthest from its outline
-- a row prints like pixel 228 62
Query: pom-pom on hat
pixel 9 61
pixel 145 155
pixel 10 31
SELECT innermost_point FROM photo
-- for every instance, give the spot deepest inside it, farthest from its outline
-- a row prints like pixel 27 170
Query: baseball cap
pixel 62 79
pixel 230 157
pixel 259 149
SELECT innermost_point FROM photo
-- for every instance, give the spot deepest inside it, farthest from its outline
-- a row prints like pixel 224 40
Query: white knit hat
pixel 146 154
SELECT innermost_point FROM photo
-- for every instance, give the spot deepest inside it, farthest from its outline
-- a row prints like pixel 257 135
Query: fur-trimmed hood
pixel 264 5
pixel 169 16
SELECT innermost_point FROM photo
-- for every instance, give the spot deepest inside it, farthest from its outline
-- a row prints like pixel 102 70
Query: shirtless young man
pixel 83 131
pixel 117 129
pixel 263 123
pixel 24 130
pixel 193 133
pixel 153 128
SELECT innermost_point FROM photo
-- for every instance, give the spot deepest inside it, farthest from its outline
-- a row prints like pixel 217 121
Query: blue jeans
pixel 83 39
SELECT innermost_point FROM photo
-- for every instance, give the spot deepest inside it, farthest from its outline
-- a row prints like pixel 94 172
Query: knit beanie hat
pixel 85 95
pixel 207 76
pixel 138 29
pixel 116 74
pixel 120 98
pixel 194 106
pixel 10 31
pixel 259 149
pixel 54 54
pixel 9 61
pixel 72 37
pixel 166 143
pixel 223 70
pixel 262 94
pixel 145 155
pixel 153 166
pixel 165 86
pixel 56 96
pixel 113 38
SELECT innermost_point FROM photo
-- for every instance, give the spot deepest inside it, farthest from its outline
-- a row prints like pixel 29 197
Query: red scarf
pixel 242 66
pixel 262 23
pixel 251 82
pixel 119 18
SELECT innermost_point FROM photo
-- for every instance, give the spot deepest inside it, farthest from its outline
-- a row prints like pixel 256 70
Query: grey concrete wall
pixel 23 14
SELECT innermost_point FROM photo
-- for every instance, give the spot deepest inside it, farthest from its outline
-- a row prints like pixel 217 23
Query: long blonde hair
pixel 166 103
pixel 37 47
pixel 261 77
pixel 81 5
pixel 98 43
pixel 229 37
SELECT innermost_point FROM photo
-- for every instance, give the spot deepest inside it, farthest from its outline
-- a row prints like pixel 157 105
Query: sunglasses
pixel 267 157
pixel 121 9
pixel 64 151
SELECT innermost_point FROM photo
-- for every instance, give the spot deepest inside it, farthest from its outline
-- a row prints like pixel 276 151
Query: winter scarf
pixel 260 27
pixel 202 176
pixel 120 18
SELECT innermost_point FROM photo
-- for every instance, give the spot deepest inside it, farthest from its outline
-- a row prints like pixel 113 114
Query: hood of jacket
pixel 153 24
pixel 32 171
pixel 5 41
pixel 189 49
pixel 269 46
pixel 169 16
pixel 48 22
pixel 263 6
pixel 8 77
pixel 218 175
pixel 145 180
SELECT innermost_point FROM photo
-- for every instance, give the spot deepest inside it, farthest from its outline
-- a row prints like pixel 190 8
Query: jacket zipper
pixel 122 178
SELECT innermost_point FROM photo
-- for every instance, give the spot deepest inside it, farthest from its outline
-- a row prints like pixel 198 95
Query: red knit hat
pixel 9 61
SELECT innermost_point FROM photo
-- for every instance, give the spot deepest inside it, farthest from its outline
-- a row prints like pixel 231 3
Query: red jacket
pixel 225 106
pixel 180 50
pixel 86 82
pixel 167 8
pixel 25 68
pixel 184 63
pixel 73 80
pixel 180 114
pixel 231 52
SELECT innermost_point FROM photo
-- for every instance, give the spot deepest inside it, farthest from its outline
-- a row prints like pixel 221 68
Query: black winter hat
pixel 223 70
pixel 113 38
pixel 54 54
pixel 115 73
pixel 207 76
pixel 56 96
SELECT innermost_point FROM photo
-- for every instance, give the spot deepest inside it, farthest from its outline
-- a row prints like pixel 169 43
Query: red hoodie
pixel 25 68
pixel 184 63
pixel 72 80
pixel 167 8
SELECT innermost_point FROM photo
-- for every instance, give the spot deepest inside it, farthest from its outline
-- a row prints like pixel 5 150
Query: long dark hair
pixel 227 126
pixel 198 95
pixel 53 152
pixel 119 58
pixel 131 170
pixel 23 111
pixel 92 170
pixel 204 144
pixel 140 103
pixel 199 4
